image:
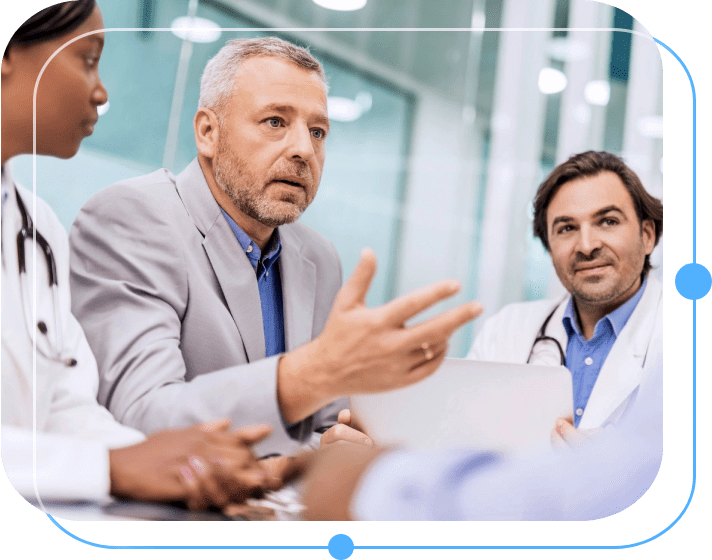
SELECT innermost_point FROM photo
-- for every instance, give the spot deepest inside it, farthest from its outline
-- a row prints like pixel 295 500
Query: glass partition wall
pixel 445 118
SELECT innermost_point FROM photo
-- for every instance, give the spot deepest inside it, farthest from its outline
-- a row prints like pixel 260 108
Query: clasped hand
pixel 205 465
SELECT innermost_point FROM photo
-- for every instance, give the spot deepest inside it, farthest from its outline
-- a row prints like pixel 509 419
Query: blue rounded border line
pixel 692 282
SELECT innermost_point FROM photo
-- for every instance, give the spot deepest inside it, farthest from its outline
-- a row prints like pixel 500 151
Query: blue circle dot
pixel 341 547
pixel 693 281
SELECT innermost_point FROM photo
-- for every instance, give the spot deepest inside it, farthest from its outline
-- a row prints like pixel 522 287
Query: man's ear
pixel 207 130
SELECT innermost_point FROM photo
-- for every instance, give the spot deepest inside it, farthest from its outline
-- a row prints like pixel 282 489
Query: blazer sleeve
pixel 130 292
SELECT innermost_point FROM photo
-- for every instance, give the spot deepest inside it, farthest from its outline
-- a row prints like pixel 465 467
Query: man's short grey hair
pixel 218 80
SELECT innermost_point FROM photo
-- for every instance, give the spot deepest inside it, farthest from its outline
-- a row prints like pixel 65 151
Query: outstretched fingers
pixel 354 290
pixel 440 328
pixel 399 310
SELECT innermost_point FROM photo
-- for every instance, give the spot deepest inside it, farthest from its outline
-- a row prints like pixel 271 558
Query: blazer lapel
pixel 232 268
pixel 622 371
pixel 298 290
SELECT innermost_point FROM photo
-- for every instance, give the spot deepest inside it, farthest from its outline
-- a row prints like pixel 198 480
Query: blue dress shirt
pixel 584 358
pixel 269 284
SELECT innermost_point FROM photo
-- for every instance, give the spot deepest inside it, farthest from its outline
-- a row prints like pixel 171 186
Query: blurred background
pixel 442 126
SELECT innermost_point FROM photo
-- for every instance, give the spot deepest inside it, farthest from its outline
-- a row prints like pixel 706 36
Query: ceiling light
pixel 651 127
pixel 341 5
pixel 343 109
pixel 195 29
pixel 551 81
pixel 567 50
pixel 478 20
pixel 102 109
pixel 597 92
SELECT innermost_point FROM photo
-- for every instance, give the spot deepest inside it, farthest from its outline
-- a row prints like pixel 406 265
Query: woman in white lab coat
pixel 81 451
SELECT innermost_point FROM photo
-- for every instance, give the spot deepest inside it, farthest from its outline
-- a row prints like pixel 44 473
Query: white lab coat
pixel 509 336
pixel 73 431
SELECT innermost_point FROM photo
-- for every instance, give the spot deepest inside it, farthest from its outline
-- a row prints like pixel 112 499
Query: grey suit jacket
pixel 170 306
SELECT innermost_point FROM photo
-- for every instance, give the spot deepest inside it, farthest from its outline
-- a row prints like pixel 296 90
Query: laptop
pixel 491 406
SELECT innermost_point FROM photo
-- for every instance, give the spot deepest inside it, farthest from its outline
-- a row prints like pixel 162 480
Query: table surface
pixel 282 505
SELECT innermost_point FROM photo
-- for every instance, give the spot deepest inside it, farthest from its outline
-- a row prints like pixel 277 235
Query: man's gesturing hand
pixel 364 350
pixel 203 465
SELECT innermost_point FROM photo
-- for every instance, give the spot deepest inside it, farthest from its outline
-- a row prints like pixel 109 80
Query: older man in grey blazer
pixel 201 299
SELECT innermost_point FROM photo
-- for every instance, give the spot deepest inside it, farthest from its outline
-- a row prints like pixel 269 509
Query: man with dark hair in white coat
pixel 600 226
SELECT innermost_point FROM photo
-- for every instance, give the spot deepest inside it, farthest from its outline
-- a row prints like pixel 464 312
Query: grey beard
pixel 263 211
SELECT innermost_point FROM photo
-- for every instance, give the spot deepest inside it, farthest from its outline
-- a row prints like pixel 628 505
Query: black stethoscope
pixel 542 337
pixel 28 231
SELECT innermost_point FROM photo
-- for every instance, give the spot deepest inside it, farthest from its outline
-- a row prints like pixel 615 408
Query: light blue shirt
pixel 269 284
pixel 584 358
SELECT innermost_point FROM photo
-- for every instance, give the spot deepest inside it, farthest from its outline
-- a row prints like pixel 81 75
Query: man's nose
pixel 300 142
pixel 588 240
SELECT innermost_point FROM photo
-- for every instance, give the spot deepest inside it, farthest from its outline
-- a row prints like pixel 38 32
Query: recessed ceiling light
pixel 343 109
pixel 102 109
pixel 597 92
pixel 197 30
pixel 551 81
pixel 478 20
pixel 566 49
pixel 341 5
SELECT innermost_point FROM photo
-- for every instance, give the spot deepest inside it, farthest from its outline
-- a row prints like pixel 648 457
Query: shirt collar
pixel 617 318
pixel 252 250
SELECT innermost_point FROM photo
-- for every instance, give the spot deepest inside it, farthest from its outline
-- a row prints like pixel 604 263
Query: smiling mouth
pixel 592 269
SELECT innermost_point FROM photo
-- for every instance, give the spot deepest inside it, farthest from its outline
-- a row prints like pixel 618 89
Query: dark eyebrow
pixel 597 214
pixel 607 209
pixel 561 220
